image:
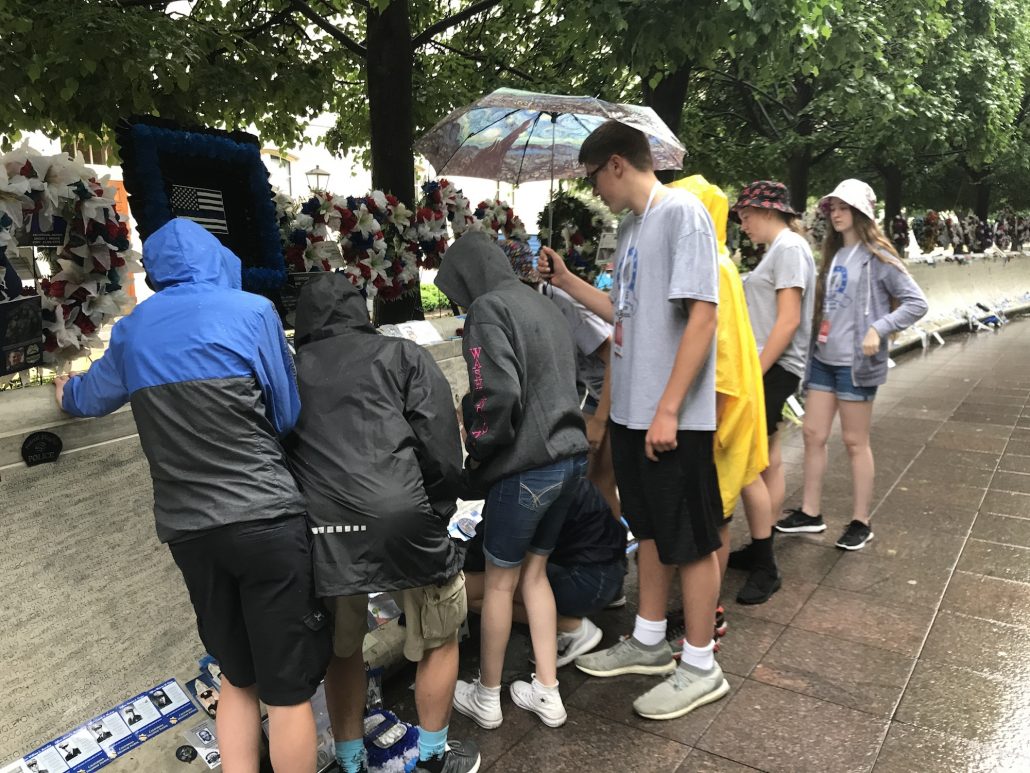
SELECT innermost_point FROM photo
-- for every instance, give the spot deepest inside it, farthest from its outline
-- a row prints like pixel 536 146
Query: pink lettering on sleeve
pixel 477 386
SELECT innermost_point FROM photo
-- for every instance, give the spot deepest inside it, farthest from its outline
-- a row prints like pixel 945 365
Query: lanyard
pixel 631 254
pixel 847 259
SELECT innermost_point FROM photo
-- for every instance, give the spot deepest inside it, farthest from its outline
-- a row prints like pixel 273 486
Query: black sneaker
pixel 743 558
pixel 855 536
pixel 800 522
pixel 761 584
pixel 460 757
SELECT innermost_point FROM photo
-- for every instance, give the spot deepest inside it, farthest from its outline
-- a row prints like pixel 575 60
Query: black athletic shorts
pixel 253 590
pixel 674 501
pixel 780 384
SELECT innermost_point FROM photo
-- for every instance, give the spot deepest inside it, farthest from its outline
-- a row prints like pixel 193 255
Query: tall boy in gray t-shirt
pixel 663 306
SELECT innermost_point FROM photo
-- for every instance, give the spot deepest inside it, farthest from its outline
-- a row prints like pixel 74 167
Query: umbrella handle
pixel 550 207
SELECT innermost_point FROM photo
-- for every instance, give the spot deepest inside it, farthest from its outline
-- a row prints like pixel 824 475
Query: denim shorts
pixel 583 590
pixel 837 379
pixel 524 512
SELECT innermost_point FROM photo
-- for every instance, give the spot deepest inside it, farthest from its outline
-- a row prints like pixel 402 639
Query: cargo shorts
pixel 433 616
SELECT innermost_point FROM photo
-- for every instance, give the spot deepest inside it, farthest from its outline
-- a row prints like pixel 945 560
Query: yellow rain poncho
pixel 741 444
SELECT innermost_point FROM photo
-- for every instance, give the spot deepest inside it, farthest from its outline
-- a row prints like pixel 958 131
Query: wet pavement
pixel 910 655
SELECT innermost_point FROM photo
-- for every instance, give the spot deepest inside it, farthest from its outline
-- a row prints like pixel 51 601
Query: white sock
pixel 491 694
pixel 649 632
pixel 701 658
pixel 551 688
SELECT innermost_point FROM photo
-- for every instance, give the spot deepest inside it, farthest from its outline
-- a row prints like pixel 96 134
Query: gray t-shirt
pixel 838 306
pixel 787 263
pixel 677 261
pixel 589 331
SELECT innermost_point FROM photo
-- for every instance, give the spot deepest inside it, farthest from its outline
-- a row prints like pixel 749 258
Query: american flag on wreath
pixel 204 206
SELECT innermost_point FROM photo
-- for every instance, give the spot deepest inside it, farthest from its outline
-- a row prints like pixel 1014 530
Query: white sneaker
pixel 545 702
pixel 579 642
pixel 479 704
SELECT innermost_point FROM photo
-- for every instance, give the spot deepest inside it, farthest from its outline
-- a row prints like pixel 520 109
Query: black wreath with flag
pixel 213 177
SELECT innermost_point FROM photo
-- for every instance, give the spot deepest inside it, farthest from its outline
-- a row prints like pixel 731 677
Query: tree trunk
pixel 983 188
pixel 668 99
pixel 892 186
pixel 389 68
pixel 799 167
pixel 799 162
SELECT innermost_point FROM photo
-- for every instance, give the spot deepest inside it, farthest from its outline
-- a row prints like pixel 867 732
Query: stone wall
pixel 93 608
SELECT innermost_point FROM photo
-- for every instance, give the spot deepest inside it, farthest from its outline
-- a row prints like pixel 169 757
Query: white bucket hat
pixel 855 193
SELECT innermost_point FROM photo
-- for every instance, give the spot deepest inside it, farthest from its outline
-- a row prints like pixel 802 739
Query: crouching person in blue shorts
pixel 377 454
pixel 586 572
pixel 211 383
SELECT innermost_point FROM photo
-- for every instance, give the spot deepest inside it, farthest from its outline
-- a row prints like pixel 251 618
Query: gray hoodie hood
pixel 473 266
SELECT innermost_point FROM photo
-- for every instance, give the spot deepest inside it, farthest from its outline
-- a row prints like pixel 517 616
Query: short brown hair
pixel 613 138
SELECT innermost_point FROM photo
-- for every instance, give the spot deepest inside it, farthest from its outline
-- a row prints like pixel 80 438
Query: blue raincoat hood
pixel 182 252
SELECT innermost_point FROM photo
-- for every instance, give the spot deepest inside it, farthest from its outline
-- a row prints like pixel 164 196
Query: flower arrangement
pixel 815 225
pixel 308 243
pixel 85 290
pixel 443 205
pixel 380 245
pixel 373 239
pixel 377 240
pixel 579 222
pixel 495 215
pixel 931 229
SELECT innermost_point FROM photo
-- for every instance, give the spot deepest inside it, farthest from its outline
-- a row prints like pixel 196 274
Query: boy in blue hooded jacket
pixel 211 382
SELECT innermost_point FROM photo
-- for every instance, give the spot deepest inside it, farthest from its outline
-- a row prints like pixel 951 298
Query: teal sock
pixel 351 755
pixel 431 744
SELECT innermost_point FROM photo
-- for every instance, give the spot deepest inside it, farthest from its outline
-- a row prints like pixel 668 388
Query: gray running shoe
pixel 628 657
pixel 572 645
pixel 687 689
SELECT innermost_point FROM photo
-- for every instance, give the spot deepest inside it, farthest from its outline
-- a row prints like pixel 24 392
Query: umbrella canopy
pixel 520 136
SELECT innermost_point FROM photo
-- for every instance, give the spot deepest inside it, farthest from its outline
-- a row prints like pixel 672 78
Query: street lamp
pixel 318 178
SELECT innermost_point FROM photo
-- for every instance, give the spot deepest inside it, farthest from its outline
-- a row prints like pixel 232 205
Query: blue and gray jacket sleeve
pixel 276 373
pixel 102 389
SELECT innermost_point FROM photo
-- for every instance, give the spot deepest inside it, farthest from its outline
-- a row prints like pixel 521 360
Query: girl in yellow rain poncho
pixel 741 443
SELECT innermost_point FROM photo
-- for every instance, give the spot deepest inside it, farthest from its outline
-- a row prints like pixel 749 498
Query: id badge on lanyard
pixel 627 273
pixel 627 278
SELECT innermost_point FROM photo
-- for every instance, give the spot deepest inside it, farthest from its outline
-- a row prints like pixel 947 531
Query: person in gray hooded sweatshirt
pixel 527 451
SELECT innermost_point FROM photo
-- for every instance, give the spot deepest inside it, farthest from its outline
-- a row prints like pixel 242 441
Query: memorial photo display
pixel 212 177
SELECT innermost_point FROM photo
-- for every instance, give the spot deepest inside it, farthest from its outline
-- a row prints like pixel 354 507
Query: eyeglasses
pixel 591 179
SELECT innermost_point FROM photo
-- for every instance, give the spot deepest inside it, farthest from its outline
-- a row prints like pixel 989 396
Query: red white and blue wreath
pixel 61 196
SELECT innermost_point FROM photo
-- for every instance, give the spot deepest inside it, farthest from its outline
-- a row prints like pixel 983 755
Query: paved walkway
pixel 912 655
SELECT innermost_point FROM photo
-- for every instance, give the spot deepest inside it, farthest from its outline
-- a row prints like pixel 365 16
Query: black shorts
pixel 674 501
pixel 780 384
pixel 252 588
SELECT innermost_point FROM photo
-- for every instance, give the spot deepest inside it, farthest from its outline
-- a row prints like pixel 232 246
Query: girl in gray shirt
pixel 780 294
pixel 865 294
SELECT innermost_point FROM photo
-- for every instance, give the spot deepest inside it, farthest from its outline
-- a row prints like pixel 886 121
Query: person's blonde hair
pixel 871 236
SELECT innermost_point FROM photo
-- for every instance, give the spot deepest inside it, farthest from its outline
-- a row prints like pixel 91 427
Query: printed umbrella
pixel 520 136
